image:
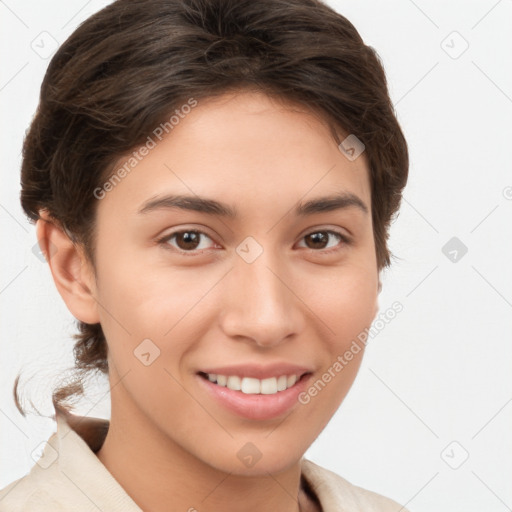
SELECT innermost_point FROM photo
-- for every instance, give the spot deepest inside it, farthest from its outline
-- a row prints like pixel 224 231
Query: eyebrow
pixel 340 201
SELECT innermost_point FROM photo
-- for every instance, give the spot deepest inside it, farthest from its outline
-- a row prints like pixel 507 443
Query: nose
pixel 261 302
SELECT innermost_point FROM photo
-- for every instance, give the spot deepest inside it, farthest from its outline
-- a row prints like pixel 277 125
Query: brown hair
pixel 127 67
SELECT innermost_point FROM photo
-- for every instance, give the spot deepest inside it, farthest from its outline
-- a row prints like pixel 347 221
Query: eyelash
pixel 164 241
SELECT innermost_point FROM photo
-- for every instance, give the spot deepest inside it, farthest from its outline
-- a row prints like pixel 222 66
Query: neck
pixel 167 473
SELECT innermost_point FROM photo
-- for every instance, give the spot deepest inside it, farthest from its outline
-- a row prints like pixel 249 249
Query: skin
pixel 295 303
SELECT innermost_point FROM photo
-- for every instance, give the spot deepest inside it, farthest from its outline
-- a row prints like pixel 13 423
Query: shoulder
pixel 68 476
pixel 36 490
pixel 336 493
pixel 26 495
pixel 46 488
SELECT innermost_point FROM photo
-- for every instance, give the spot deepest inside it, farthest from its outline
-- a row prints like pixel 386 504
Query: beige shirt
pixel 69 477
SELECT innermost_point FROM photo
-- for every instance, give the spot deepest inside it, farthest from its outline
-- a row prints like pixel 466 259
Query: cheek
pixel 345 302
pixel 139 302
pixel 345 305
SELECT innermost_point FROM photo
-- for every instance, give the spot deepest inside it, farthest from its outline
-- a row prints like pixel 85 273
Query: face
pixel 187 291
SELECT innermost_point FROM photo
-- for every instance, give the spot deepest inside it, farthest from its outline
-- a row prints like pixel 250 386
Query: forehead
pixel 244 148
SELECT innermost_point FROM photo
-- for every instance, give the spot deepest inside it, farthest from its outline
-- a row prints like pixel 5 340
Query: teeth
pixel 252 386
pixel 268 386
pixel 234 382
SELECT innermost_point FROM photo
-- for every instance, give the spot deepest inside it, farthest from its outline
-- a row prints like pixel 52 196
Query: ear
pixel 71 271
pixel 376 305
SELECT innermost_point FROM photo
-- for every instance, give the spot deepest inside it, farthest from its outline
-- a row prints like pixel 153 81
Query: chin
pixel 254 458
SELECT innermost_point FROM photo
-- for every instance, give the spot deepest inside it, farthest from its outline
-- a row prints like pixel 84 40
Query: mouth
pixel 252 398
pixel 254 386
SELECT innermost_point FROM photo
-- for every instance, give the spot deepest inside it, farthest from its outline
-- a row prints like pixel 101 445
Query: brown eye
pixel 186 240
pixel 319 240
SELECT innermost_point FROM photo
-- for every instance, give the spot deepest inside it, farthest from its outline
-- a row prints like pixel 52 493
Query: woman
pixel 213 182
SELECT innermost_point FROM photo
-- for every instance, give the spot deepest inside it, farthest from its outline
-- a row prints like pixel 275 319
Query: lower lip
pixel 256 407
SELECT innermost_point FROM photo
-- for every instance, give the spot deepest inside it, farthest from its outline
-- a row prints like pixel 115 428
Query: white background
pixel 441 370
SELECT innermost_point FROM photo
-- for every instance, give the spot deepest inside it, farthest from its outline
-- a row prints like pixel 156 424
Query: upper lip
pixel 259 371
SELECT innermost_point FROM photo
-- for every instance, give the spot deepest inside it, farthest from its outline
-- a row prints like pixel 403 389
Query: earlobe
pixel 70 269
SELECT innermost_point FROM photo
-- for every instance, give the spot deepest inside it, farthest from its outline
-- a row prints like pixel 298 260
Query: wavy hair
pixel 125 69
